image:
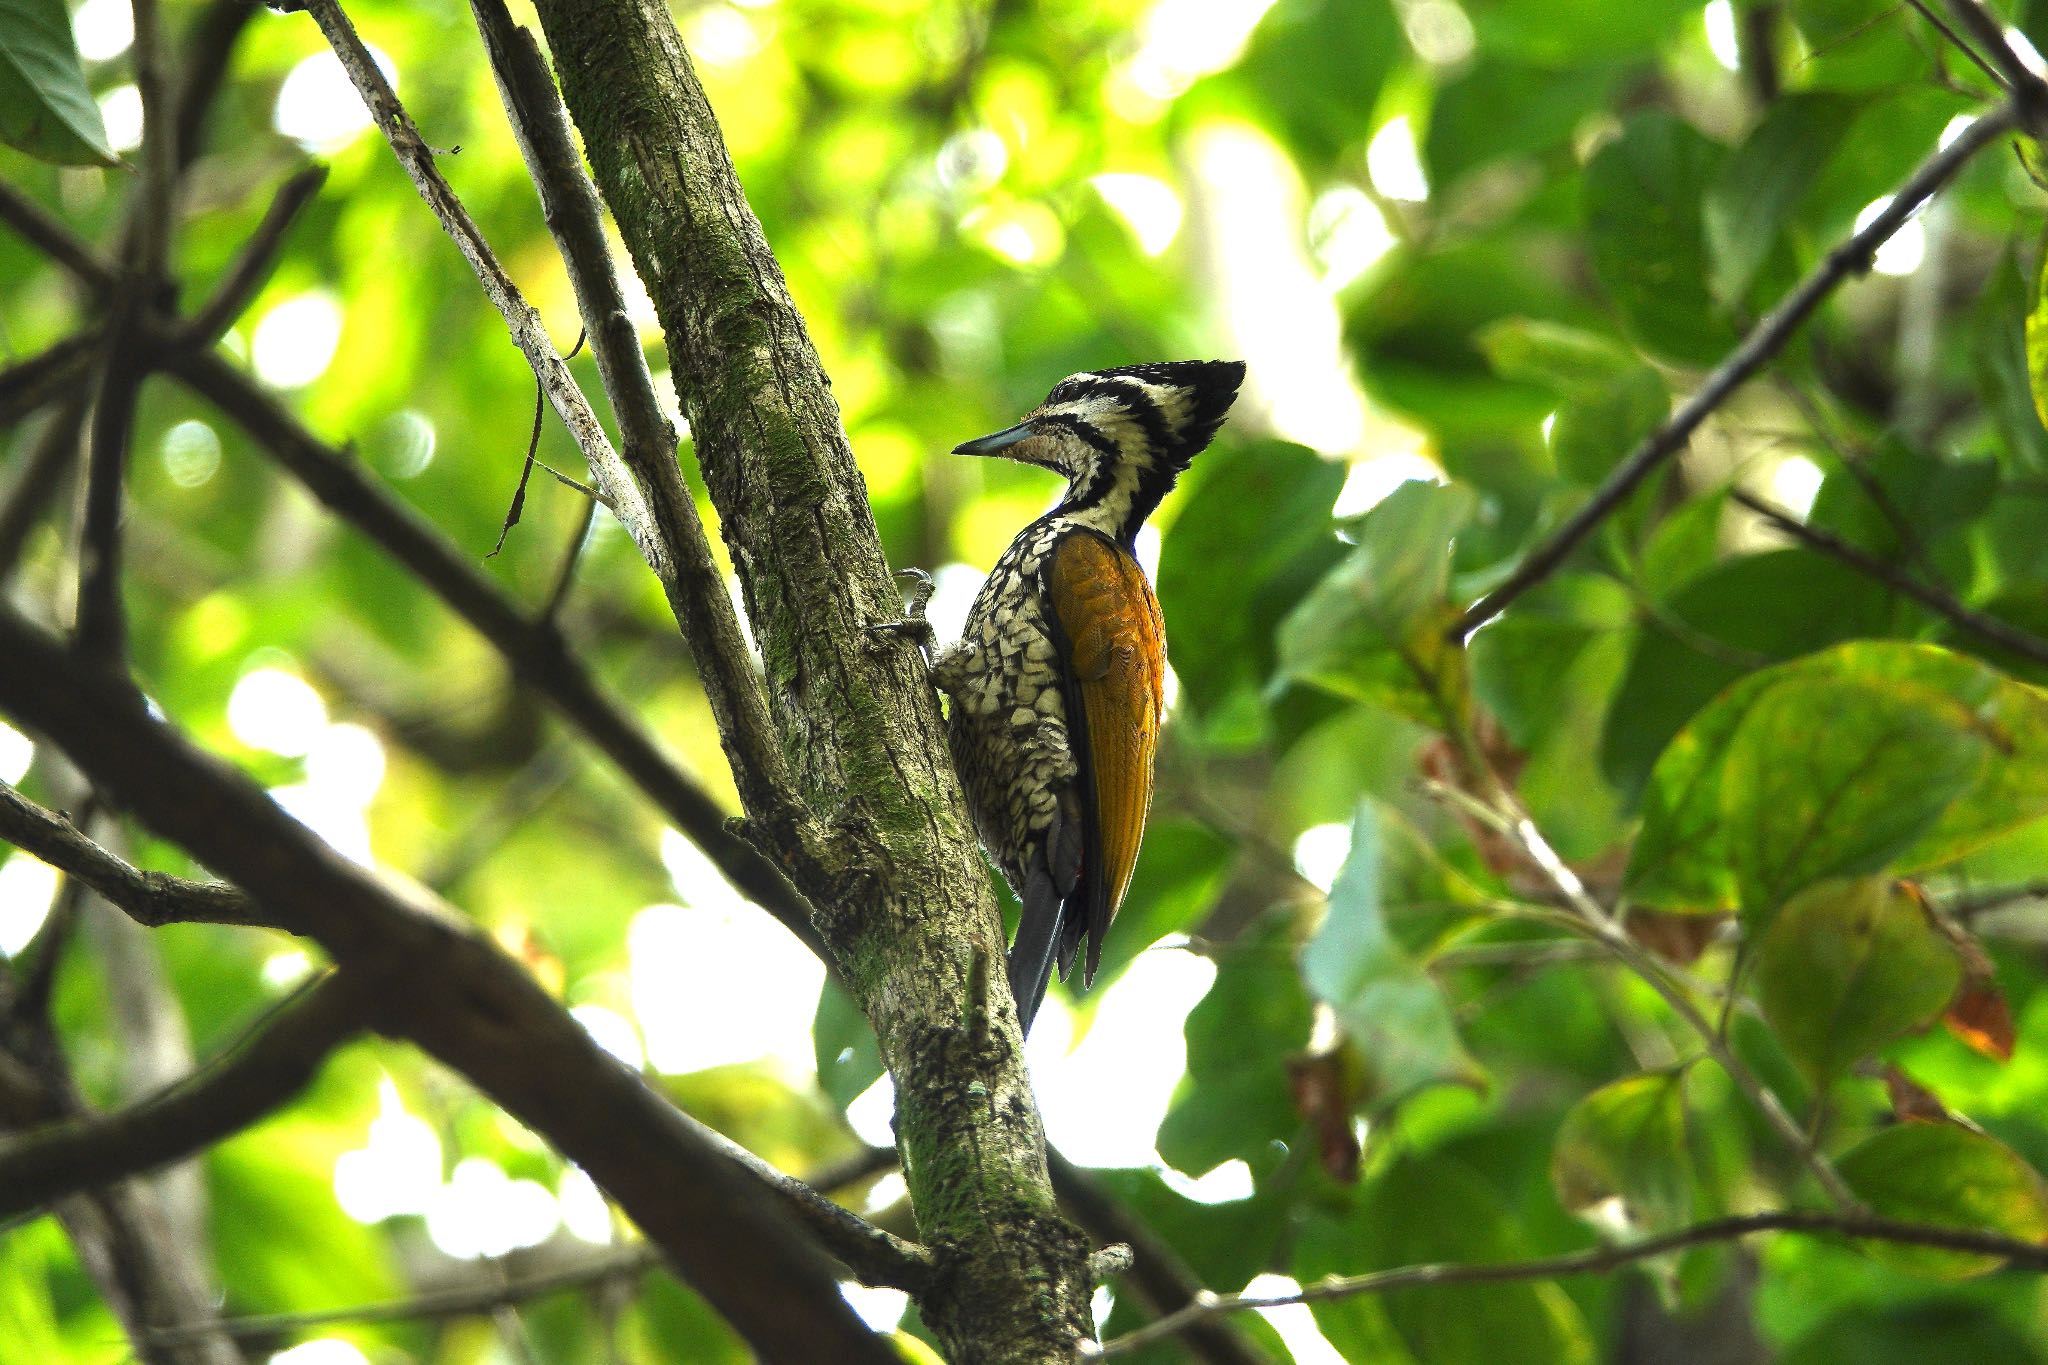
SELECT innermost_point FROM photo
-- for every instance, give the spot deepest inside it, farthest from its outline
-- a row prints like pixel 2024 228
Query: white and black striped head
pixel 1121 437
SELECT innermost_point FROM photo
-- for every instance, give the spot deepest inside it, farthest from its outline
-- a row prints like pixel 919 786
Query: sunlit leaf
pixel 1625 1145
pixel 1373 628
pixel 1393 1012
pixel 1866 757
pixel 1948 1176
pixel 1846 967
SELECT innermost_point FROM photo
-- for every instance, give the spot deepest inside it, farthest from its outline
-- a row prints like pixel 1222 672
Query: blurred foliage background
pixel 1471 252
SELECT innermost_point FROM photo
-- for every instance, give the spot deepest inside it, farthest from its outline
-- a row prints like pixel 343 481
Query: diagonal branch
pixel 535 651
pixel 34 225
pixel 438 981
pixel 260 1073
pixel 1599 1260
pixel 660 520
pixel 150 898
pixel 1763 342
pixel 1983 626
pixel 252 265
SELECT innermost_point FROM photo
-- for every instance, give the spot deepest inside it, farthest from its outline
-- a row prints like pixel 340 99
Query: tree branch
pixel 253 263
pixel 42 475
pixel 1596 1261
pixel 2029 95
pixel 1945 604
pixel 30 384
pixel 150 898
pixel 654 507
pixel 34 225
pixel 535 651
pixel 1763 342
pixel 438 981
pixel 261 1072
pixel 1160 1276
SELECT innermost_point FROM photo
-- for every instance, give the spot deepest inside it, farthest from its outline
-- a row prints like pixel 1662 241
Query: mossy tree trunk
pixel 881 842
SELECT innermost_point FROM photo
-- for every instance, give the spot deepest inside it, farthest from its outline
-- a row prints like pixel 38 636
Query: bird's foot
pixel 913 625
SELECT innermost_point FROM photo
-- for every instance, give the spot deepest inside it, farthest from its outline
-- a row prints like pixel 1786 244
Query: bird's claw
pixel 913 625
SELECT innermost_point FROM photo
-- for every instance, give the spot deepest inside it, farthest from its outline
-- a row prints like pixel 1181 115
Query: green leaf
pixel 1878 756
pixel 1437 1209
pixel 1519 662
pixel 1931 493
pixel 1494 109
pixel 2004 368
pixel 1317 66
pixel 1626 1141
pixel 1641 199
pixel 1720 625
pixel 1835 776
pixel 1372 629
pixel 1594 432
pixel 1761 182
pixel 45 108
pixel 848 1060
pixel 1554 354
pixel 2036 337
pixel 1913 1334
pixel 1236 585
pixel 1236 1101
pixel 1949 1176
pixel 1393 1011
pixel 1846 967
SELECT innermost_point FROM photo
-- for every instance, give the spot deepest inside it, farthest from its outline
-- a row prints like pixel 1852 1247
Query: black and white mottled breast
pixel 1008 722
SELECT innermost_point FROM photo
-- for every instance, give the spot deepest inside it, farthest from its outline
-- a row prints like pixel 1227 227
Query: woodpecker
pixel 1056 685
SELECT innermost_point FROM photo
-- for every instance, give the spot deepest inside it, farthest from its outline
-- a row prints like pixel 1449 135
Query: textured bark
pixel 901 891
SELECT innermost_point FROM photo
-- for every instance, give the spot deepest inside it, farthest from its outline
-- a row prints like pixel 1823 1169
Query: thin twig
pixel 1764 341
pixel 1957 41
pixel 1156 1270
pixel 1595 1261
pixel 1937 600
pixel 696 589
pixel 252 265
pixel 45 376
pixel 150 898
pixel 1505 817
pixel 481 1301
pixel 42 476
pixel 258 1074
pixel 36 227
pixel 2029 94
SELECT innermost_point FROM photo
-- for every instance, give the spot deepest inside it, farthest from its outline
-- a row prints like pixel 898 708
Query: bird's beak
pixel 990 445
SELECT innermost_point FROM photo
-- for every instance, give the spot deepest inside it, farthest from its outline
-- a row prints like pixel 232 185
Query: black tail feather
pixel 1031 956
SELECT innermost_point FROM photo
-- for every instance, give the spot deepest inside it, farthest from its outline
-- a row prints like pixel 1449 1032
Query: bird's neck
pixel 1115 499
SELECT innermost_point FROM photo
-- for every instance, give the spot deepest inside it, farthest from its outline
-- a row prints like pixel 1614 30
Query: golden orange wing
pixel 1115 644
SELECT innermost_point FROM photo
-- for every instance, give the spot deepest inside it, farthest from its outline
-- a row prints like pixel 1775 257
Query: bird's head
pixel 1121 436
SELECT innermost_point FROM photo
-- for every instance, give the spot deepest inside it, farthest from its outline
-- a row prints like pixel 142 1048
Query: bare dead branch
pixel 536 651
pixel 150 898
